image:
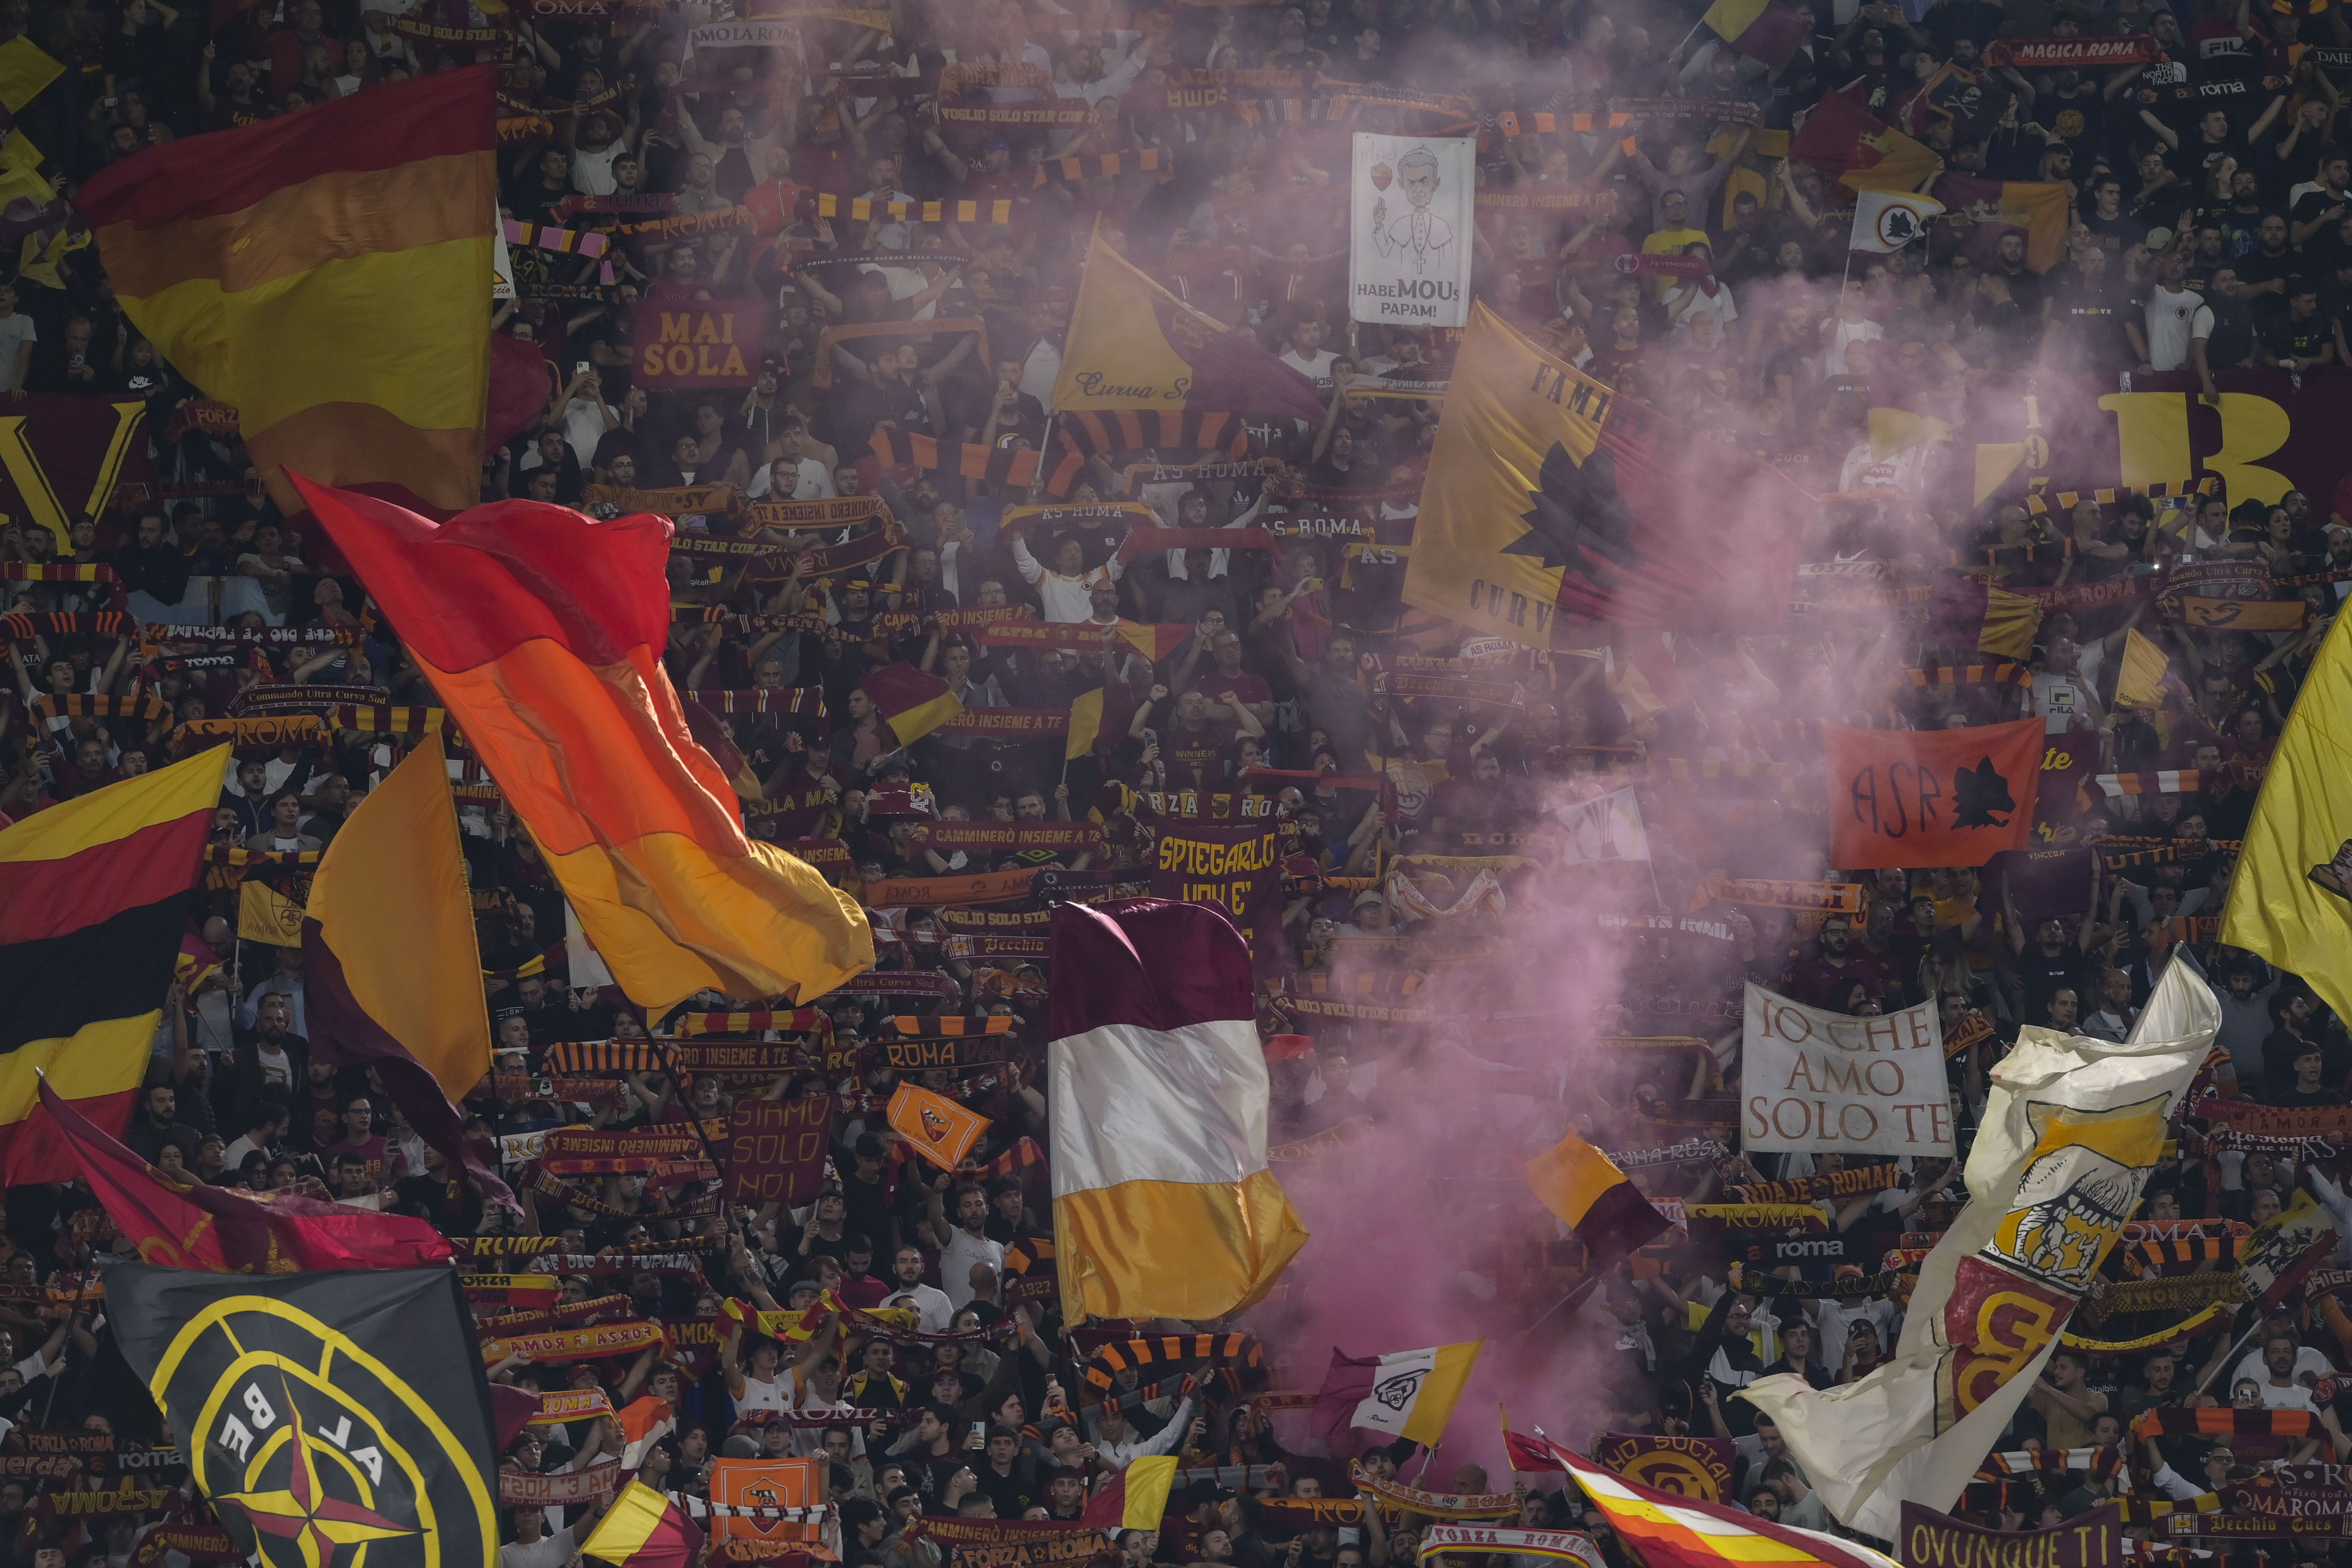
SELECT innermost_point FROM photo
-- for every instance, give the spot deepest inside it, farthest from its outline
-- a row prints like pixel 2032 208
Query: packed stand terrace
pixel 1424 871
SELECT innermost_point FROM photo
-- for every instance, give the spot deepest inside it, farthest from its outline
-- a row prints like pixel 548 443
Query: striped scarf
pixel 82 705
pixel 795 1021
pixel 995 465
pixel 2100 1462
pixel 385 719
pixel 2224 1421
pixel 1108 167
pixel 2170 1256
pixel 2000 673
pixel 1103 1367
pixel 948 1026
pixel 800 700
pixel 862 210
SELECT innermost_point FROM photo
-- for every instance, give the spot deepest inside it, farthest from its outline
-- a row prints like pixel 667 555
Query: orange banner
pixel 1934 797
pixel 941 1130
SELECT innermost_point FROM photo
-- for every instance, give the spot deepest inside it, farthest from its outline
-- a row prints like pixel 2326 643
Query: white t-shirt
pixel 2057 698
pixel 780 478
pixel 548 1552
pixel 1695 301
pixel 1316 369
pixel 583 426
pixel 277 1068
pixel 964 1250
pixel 1842 335
pixel 1835 1325
pixel 592 172
pixel 2306 1359
pixel 928 1300
pixel 1065 598
pixel 2175 316
pixel 17 330
pixel 759 1393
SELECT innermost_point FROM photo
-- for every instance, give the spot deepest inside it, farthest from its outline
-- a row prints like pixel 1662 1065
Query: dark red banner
pixel 700 342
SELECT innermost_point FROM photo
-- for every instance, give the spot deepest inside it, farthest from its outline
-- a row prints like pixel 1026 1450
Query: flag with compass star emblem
pixel 1552 502
pixel 333 1419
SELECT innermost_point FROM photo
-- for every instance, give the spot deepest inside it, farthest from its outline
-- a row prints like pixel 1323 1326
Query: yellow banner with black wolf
pixel 1549 498
pixel 269 904
pixel 2290 900
pixel 326 1416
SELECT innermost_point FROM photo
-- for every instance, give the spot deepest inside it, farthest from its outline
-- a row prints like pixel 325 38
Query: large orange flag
pixel 325 273
pixel 543 632
pixel 1931 797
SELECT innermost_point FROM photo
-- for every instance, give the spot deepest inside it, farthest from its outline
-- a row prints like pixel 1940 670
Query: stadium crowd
pixel 1422 850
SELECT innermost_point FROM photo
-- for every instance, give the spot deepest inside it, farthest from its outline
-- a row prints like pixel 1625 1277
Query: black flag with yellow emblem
pixel 332 1418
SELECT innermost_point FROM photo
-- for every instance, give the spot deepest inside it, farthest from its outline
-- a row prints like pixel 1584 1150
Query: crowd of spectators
pixel 1421 835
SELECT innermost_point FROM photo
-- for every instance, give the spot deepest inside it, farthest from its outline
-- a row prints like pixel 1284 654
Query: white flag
pixel 1607 827
pixel 583 964
pixel 1886 221
pixel 2072 1128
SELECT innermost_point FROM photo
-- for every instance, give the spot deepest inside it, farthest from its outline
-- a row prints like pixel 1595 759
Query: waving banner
pixel 2071 1130
pixel 1694 1466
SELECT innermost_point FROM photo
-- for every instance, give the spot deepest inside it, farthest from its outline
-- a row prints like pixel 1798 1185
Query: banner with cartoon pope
pixel 1410 205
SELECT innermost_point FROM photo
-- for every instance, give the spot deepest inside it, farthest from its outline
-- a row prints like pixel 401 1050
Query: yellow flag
pixel 2290 900
pixel 391 903
pixel 1996 460
pixel 265 914
pixel 1509 406
pixel 2010 622
pixel 1118 356
pixel 1086 724
pixel 25 71
pixel 1894 431
pixel 2139 682
pixel 1134 345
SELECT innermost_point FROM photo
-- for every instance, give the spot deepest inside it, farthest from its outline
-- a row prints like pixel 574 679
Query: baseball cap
pixel 2159 239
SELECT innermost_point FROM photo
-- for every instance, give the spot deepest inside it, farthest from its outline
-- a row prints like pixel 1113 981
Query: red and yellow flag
pixel 327 273
pixel 1860 151
pixel 643 1528
pixel 913 702
pixel 94 897
pixel 941 1130
pixel 2039 209
pixel 543 632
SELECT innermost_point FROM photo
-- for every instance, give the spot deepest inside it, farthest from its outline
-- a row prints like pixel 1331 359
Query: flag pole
pixel 1044 448
pixel 1576 1294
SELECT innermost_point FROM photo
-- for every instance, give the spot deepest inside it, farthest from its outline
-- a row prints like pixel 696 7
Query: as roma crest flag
pixel 1931 797
pixel 1549 497
pixel 941 1130
pixel 323 1412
